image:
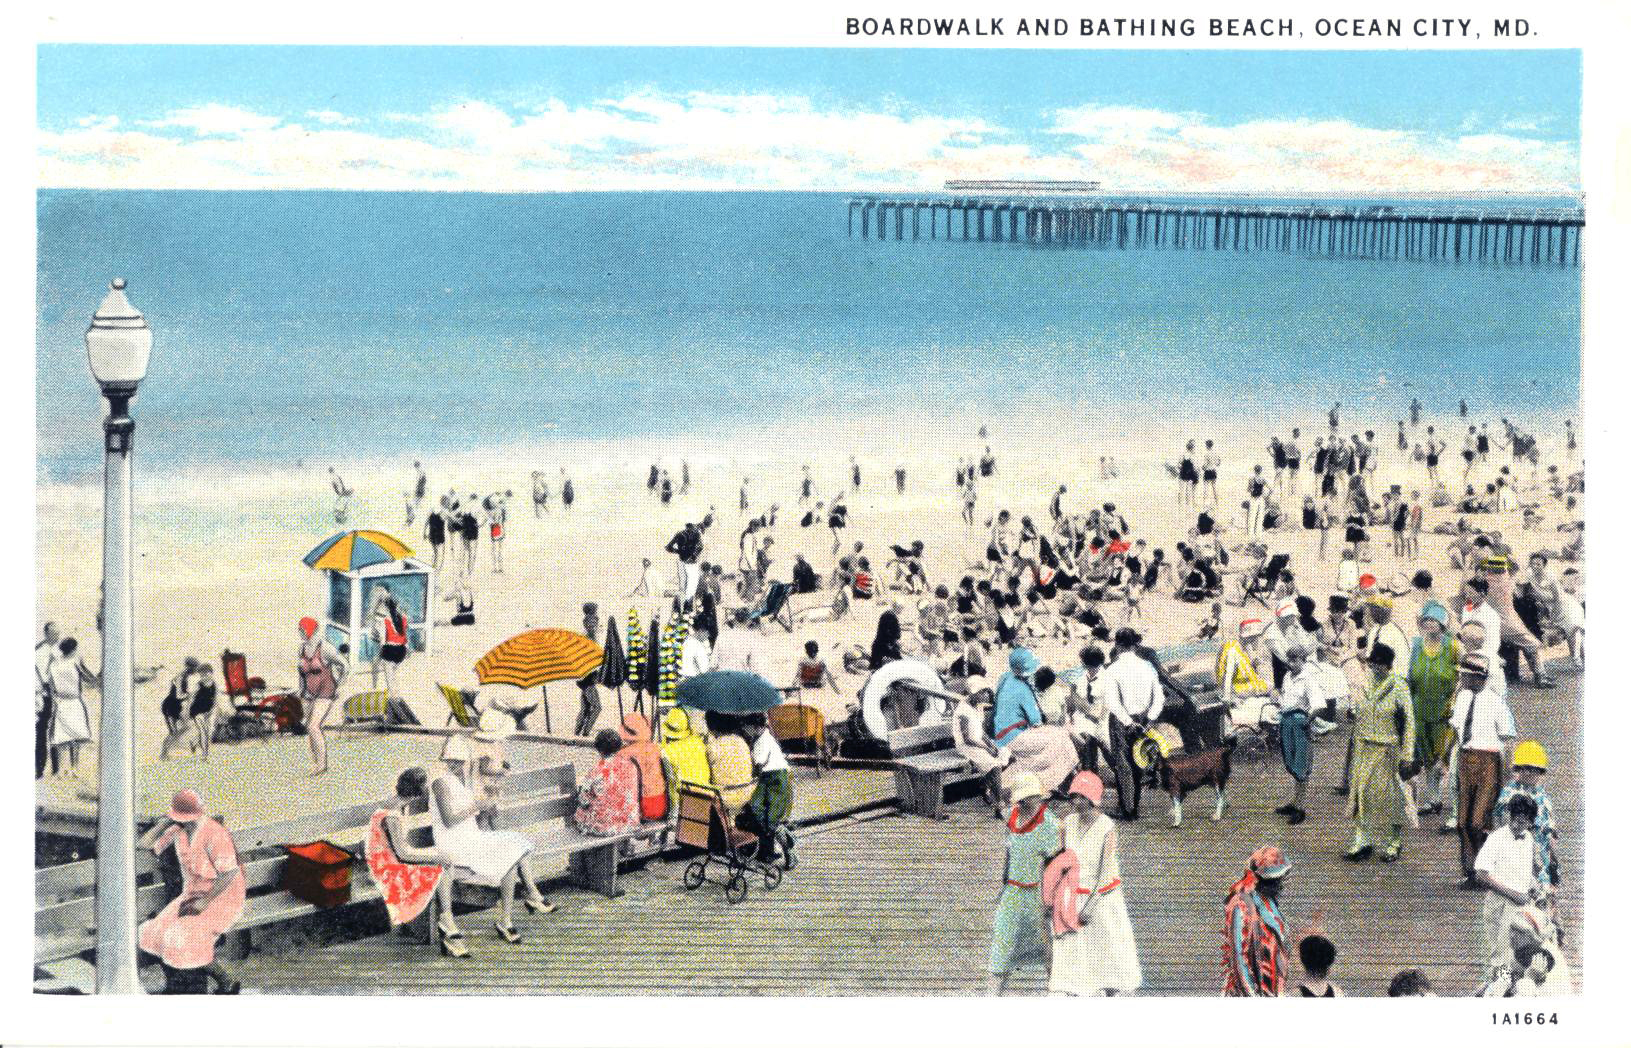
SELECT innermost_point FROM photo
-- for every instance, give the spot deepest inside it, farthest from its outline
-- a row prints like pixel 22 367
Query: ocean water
pixel 324 324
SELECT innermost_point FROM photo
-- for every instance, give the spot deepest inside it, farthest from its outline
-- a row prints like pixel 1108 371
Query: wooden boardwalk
pixel 884 904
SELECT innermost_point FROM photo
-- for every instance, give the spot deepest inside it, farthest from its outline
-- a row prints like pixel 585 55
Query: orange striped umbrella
pixel 537 657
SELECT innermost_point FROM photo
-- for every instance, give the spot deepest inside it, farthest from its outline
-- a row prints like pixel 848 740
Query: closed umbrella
pixel 537 657
pixel 615 669
pixel 651 672
pixel 728 691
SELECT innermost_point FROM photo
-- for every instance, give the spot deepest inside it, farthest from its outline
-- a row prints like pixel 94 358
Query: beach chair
pixel 775 606
pixel 255 711
pixel 366 708
pixel 794 722
pixel 458 710
pixel 1263 580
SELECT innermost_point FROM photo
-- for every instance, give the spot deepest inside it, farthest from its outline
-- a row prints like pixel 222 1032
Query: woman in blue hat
pixel 1016 706
pixel 1434 656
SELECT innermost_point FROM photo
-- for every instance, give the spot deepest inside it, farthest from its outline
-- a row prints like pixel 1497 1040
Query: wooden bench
pixel 539 803
pixel 925 764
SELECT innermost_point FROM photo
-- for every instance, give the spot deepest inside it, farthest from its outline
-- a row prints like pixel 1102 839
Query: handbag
pixel 318 873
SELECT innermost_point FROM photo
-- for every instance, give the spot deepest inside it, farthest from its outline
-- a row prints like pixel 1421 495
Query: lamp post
pixel 118 343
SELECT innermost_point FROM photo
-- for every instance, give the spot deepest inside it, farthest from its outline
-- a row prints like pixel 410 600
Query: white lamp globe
pixel 119 341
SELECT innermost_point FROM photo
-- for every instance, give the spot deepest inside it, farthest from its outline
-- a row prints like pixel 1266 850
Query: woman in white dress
pixel 1093 948
pixel 72 725
pixel 491 857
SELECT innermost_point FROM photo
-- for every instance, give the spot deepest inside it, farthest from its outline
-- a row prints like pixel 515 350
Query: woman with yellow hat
pixel 1528 765
pixel 1033 837
pixel 684 755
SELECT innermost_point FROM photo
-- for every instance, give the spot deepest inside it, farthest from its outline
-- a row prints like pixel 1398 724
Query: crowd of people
pixel 1407 672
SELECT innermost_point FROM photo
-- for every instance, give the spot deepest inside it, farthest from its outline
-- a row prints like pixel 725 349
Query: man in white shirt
pixel 1379 612
pixel 1483 725
pixel 695 658
pixel 1505 869
pixel 1478 609
pixel 1284 634
pixel 741 647
pixel 1133 697
pixel 44 652
pixel 1299 698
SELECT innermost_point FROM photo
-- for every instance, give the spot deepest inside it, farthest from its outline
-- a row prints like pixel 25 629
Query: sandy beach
pixel 219 550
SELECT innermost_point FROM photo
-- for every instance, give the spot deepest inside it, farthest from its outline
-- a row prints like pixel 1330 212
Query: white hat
pixel 458 749
pixel 1252 628
pixel 1026 785
pixel 494 725
pixel 1287 607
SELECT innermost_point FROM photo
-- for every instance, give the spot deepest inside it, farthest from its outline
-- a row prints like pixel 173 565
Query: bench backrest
pixel 64 903
pixel 924 738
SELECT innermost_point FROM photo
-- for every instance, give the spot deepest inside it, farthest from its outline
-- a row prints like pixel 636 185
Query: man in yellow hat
pixel 1528 766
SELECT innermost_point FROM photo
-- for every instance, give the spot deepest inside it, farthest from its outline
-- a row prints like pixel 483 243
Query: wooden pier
pixel 1432 231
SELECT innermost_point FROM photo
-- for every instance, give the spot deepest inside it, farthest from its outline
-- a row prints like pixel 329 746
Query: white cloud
pixel 216 119
pixel 331 118
pixel 648 139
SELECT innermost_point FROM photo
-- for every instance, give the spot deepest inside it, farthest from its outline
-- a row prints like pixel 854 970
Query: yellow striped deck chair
pixel 369 706
pixel 458 711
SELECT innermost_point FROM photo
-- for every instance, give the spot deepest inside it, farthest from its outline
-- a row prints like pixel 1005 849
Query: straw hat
pixel 494 726
pixel 1026 785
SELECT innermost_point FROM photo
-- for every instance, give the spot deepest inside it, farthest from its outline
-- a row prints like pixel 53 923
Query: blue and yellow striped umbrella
pixel 350 550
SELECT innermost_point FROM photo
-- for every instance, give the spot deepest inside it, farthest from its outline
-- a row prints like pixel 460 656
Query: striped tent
pixel 538 657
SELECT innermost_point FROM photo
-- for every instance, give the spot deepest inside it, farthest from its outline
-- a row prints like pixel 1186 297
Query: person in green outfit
pixel 1433 659
pixel 1384 730
pixel 1033 838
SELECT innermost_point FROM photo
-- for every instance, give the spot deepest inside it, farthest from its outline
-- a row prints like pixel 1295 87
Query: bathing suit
pixel 497 530
pixel 1209 475
pixel 395 648
pixel 1310 518
pixel 1186 471
pixel 171 706
pixel 468 527
pixel 203 701
pixel 436 529
pixel 566 493
pixel 1279 452
pixel 466 615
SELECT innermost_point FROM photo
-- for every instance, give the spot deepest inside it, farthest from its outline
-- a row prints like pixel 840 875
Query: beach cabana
pixel 355 564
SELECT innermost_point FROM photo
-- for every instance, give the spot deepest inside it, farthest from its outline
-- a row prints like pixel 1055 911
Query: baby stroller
pixel 705 824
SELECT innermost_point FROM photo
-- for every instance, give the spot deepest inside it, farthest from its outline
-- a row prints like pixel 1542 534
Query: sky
pixel 571 119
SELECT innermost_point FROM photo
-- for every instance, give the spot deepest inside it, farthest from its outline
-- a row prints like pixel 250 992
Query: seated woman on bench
pixel 408 875
pixel 498 858
pixel 609 803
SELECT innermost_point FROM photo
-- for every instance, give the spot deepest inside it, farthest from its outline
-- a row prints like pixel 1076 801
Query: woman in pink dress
pixel 408 874
pixel 183 934
pixel 609 802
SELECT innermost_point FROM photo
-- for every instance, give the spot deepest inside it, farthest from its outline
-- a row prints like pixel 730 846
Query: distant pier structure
pixel 1065 215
